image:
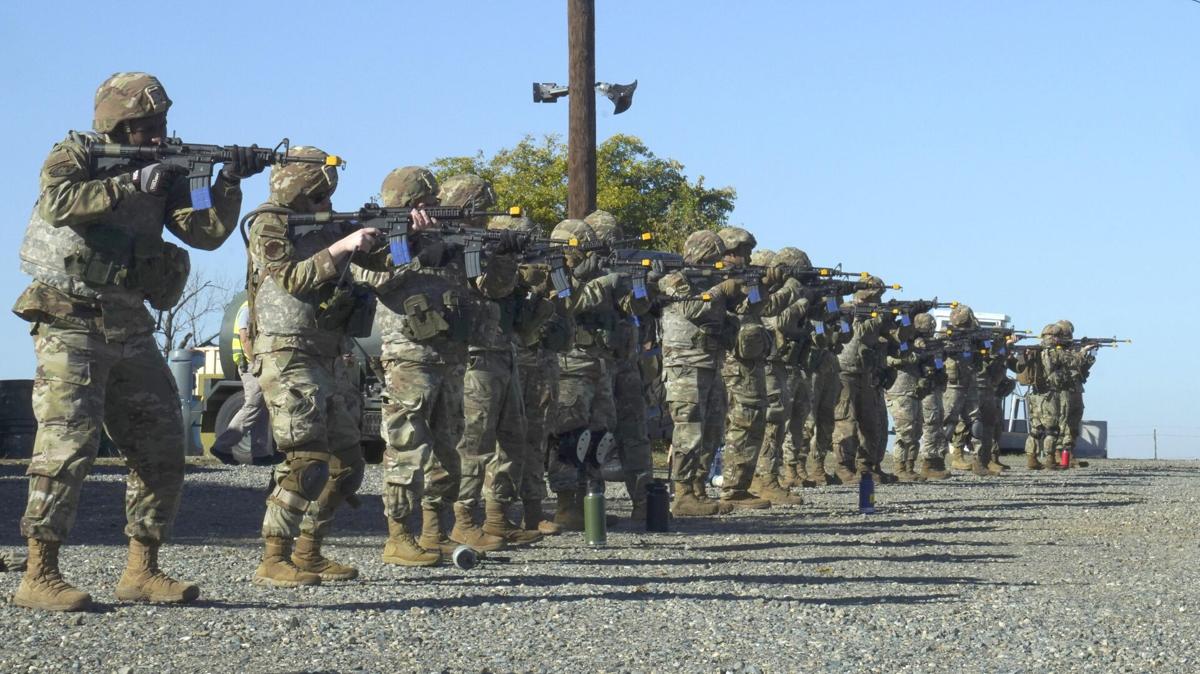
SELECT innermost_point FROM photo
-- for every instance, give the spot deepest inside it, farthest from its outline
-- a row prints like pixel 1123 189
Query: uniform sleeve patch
pixel 275 250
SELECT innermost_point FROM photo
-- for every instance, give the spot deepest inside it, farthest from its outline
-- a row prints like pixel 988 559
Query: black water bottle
pixel 658 507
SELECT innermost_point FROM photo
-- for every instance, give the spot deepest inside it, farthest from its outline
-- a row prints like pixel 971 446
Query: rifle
pixel 989 337
pixel 1098 341
pixel 899 308
pixel 198 159
pixel 395 223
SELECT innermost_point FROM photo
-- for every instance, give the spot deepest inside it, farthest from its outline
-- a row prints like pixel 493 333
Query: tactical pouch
pixel 1005 388
pixel 556 335
pixel 106 261
pixel 362 312
pixel 424 323
pixel 458 316
pixel 167 276
pixel 753 342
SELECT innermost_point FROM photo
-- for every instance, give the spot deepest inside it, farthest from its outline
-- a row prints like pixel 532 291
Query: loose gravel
pixel 1087 570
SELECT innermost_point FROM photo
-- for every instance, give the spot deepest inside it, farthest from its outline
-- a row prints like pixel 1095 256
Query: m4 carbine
pixel 197 160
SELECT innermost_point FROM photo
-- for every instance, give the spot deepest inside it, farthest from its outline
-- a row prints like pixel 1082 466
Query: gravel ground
pixel 1090 570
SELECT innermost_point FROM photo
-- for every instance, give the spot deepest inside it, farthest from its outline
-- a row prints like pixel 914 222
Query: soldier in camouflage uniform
pixel 585 418
pixel 1080 366
pixel 960 403
pixel 303 305
pixel 494 435
pixel 696 333
pixel 538 348
pixel 422 321
pixel 917 375
pixel 94 247
pixel 786 388
pixel 1042 368
pixel 624 370
pixel 857 428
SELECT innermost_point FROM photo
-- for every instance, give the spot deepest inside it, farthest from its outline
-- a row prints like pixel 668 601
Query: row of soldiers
pixel 525 367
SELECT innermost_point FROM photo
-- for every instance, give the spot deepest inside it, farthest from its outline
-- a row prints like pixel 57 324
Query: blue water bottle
pixel 866 493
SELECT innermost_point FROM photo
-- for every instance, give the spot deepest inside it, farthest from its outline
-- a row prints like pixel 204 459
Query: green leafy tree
pixel 645 192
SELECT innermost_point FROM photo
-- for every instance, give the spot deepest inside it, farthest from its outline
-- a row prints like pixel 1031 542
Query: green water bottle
pixel 595 529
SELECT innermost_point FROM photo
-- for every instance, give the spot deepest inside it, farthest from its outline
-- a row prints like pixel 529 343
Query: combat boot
pixel 845 474
pixel 687 505
pixel 1032 463
pixel 465 531
pixel 700 488
pixel 43 586
pixel 904 472
pixel 995 464
pixel 433 536
pixel 911 467
pixel 277 569
pixel 881 476
pixel 934 468
pixel 977 468
pixel 144 581
pixel 788 476
pixel 1050 464
pixel 957 460
pixel 569 516
pixel 816 475
pixel 496 523
pixel 770 489
pixel 402 549
pixel 307 557
pixel 535 519
pixel 744 500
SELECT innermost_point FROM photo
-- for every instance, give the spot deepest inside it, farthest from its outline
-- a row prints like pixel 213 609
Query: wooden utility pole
pixel 581 130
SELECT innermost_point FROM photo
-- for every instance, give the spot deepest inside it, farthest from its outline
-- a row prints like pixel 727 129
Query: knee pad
pixel 573 446
pixel 307 476
pixel 977 430
pixel 602 448
pixel 351 478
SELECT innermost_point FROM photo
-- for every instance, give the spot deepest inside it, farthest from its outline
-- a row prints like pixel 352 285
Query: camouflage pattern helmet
pixel 126 96
pixel 961 316
pixel 1051 330
pixel 467 190
pixel 521 224
pixel 605 225
pixel 764 258
pixel 408 186
pixel 703 247
pixel 735 238
pixel 873 293
pixel 301 185
pixel 790 256
pixel 924 323
pixel 1066 329
pixel 574 230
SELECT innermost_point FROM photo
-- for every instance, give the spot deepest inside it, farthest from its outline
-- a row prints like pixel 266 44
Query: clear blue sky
pixel 1037 158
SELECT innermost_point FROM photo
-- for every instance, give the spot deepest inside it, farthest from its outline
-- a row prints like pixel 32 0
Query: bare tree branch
pixel 198 313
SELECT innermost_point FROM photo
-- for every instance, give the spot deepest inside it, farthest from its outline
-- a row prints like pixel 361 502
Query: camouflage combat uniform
pixel 1042 369
pixel 960 402
pixel 857 432
pixel 94 247
pixel 1079 364
pixel 917 376
pixel 303 305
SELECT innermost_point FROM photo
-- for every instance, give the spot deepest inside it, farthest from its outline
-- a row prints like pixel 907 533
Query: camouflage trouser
pixel 817 440
pixel 629 397
pixel 907 419
pixel 696 398
pixel 1044 425
pixel 1072 416
pixel 746 422
pixel 313 426
pixel 658 418
pixel 788 404
pixel 422 423
pixel 84 381
pixel 933 438
pixel 856 426
pixel 960 403
pixel 493 439
pixel 585 402
pixel 538 370
pixel 877 446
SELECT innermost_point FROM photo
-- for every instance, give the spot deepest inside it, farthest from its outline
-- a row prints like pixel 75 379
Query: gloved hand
pixel 509 242
pixel 774 277
pixel 155 179
pixel 245 163
pixel 731 289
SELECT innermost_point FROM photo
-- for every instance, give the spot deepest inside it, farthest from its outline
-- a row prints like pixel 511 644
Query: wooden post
pixel 581 130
